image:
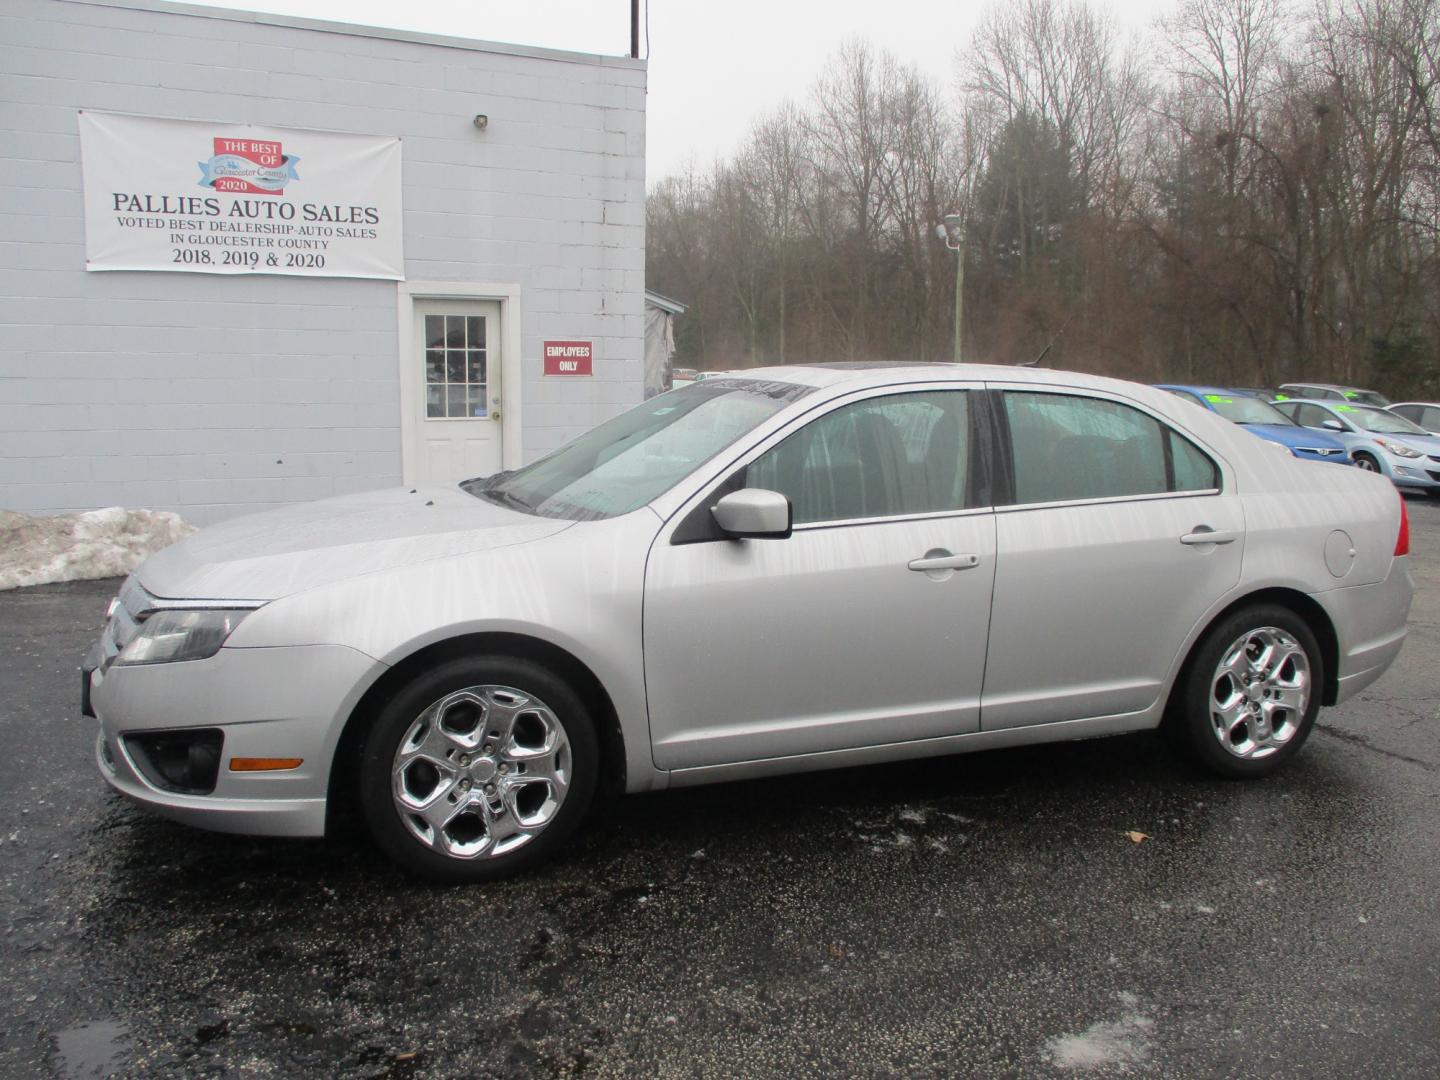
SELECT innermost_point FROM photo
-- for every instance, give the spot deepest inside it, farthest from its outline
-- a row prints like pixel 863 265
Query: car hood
pixel 1291 436
pixel 280 552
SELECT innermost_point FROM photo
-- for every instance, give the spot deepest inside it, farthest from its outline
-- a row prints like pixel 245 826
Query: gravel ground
pixel 984 916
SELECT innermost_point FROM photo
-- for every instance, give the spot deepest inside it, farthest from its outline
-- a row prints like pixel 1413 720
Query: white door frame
pixel 511 369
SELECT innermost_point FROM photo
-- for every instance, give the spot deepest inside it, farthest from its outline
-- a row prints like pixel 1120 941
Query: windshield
pixel 1378 420
pixel 1240 409
pixel 630 460
pixel 1366 397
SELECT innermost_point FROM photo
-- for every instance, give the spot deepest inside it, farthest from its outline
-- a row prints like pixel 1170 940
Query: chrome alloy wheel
pixel 481 772
pixel 1259 693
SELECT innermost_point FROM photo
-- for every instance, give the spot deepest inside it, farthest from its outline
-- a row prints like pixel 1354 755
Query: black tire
pixel 400 840
pixel 1190 714
pixel 1367 463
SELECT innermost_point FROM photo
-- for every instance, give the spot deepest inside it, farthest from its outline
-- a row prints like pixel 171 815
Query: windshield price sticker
pixel 1217 399
pixel 569 357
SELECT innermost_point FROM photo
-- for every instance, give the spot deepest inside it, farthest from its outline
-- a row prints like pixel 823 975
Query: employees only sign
pixel 237 199
pixel 568 358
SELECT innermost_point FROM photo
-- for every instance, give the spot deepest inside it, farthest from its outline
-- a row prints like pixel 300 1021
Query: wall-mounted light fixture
pixel 482 121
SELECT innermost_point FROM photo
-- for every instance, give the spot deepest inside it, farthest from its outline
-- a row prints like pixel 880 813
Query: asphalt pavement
pixel 988 915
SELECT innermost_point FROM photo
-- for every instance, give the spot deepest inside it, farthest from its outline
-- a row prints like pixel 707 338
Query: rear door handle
pixel 1203 534
pixel 944 562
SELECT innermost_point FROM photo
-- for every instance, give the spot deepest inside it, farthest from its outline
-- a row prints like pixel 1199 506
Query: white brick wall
pixel 217 395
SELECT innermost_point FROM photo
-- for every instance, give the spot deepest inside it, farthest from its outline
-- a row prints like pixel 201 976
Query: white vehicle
pixel 793 569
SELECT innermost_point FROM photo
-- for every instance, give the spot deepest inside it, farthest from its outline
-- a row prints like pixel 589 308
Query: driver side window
pixel 882 457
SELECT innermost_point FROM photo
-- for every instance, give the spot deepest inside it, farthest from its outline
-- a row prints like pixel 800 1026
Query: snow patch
pixel 1122 1042
pixel 79 547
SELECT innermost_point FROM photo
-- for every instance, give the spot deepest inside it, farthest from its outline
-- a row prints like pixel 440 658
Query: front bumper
pixel 1415 475
pixel 267 703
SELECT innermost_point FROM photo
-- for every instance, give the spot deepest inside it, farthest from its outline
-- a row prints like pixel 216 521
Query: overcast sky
pixel 714 65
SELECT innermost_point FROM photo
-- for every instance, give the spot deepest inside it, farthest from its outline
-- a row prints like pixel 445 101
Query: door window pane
pixel 1067 448
pixel 456 403
pixel 455 367
pixel 1431 422
pixel 884 457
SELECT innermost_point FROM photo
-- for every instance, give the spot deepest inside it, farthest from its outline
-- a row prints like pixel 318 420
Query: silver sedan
pixel 795 568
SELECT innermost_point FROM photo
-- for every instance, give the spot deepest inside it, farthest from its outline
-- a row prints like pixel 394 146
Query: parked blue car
pixel 1263 419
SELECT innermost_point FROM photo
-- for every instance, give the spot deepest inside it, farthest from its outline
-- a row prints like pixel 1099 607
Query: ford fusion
pixel 791 569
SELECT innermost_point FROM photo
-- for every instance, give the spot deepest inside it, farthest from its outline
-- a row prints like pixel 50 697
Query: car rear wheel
pixel 1251 692
pixel 1367 463
pixel 478 768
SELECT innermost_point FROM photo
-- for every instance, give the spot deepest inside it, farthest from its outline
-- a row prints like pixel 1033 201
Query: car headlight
pixel 170 635
pixel 1399 449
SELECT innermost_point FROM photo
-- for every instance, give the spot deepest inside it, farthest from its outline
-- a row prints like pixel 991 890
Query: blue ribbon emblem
pixel 233 165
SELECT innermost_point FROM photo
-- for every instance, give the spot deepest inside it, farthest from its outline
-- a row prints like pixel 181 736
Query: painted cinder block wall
pixel 219 395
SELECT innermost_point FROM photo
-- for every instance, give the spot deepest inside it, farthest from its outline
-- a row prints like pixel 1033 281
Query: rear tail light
pixel 1402 542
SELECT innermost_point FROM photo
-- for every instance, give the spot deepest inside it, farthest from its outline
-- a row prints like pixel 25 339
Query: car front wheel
pixel 478 768
pixel 1251 692
pixel 1366 463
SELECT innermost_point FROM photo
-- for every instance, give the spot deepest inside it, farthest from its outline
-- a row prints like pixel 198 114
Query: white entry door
pixel 454 370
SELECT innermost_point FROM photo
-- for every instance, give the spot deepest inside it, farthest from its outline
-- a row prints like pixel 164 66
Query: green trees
pixel 1240 196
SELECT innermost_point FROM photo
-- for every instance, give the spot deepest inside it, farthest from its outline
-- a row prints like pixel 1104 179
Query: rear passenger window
pixel 1066 448
pixel 882 457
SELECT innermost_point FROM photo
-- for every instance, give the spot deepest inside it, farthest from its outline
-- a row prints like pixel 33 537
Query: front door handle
pixel 944 562
pixel 1204 534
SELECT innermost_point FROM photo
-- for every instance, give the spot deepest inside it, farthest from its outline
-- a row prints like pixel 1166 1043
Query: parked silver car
pixel 1423 414
pixel 1331 392
pixel 793 569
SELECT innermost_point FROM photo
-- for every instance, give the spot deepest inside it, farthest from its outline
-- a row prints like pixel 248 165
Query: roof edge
pixel 325 26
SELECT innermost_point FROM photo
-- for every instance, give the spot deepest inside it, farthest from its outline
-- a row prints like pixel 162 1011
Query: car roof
pixel 884 373
pixel 1342 387
pixel 1327 404
pixel 1194 389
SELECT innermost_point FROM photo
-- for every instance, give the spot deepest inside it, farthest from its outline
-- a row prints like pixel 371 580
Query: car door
pixel 865 626
pixel 1117 535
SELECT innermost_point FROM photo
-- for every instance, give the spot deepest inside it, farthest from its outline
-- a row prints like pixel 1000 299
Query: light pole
pixel 953 233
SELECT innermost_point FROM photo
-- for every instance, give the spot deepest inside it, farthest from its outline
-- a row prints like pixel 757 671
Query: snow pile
pixel 1123 1042
pixel 77 547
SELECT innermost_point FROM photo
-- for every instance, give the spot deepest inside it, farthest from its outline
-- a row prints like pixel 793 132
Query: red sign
pixel 568 358
pixel 248 165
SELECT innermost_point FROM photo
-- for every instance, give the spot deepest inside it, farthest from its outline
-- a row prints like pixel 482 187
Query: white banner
pixel 239 199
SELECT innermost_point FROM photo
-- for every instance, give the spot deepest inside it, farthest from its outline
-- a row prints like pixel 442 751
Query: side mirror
pixel 1332 425
pixel 755 513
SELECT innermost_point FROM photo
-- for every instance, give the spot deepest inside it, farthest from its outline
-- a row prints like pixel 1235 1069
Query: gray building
pixel 521 204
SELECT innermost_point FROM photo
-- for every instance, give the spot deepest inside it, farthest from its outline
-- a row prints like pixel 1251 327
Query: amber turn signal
pixel 264 764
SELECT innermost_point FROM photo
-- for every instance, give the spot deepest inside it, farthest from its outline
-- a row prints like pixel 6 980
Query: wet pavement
pixel 983 916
